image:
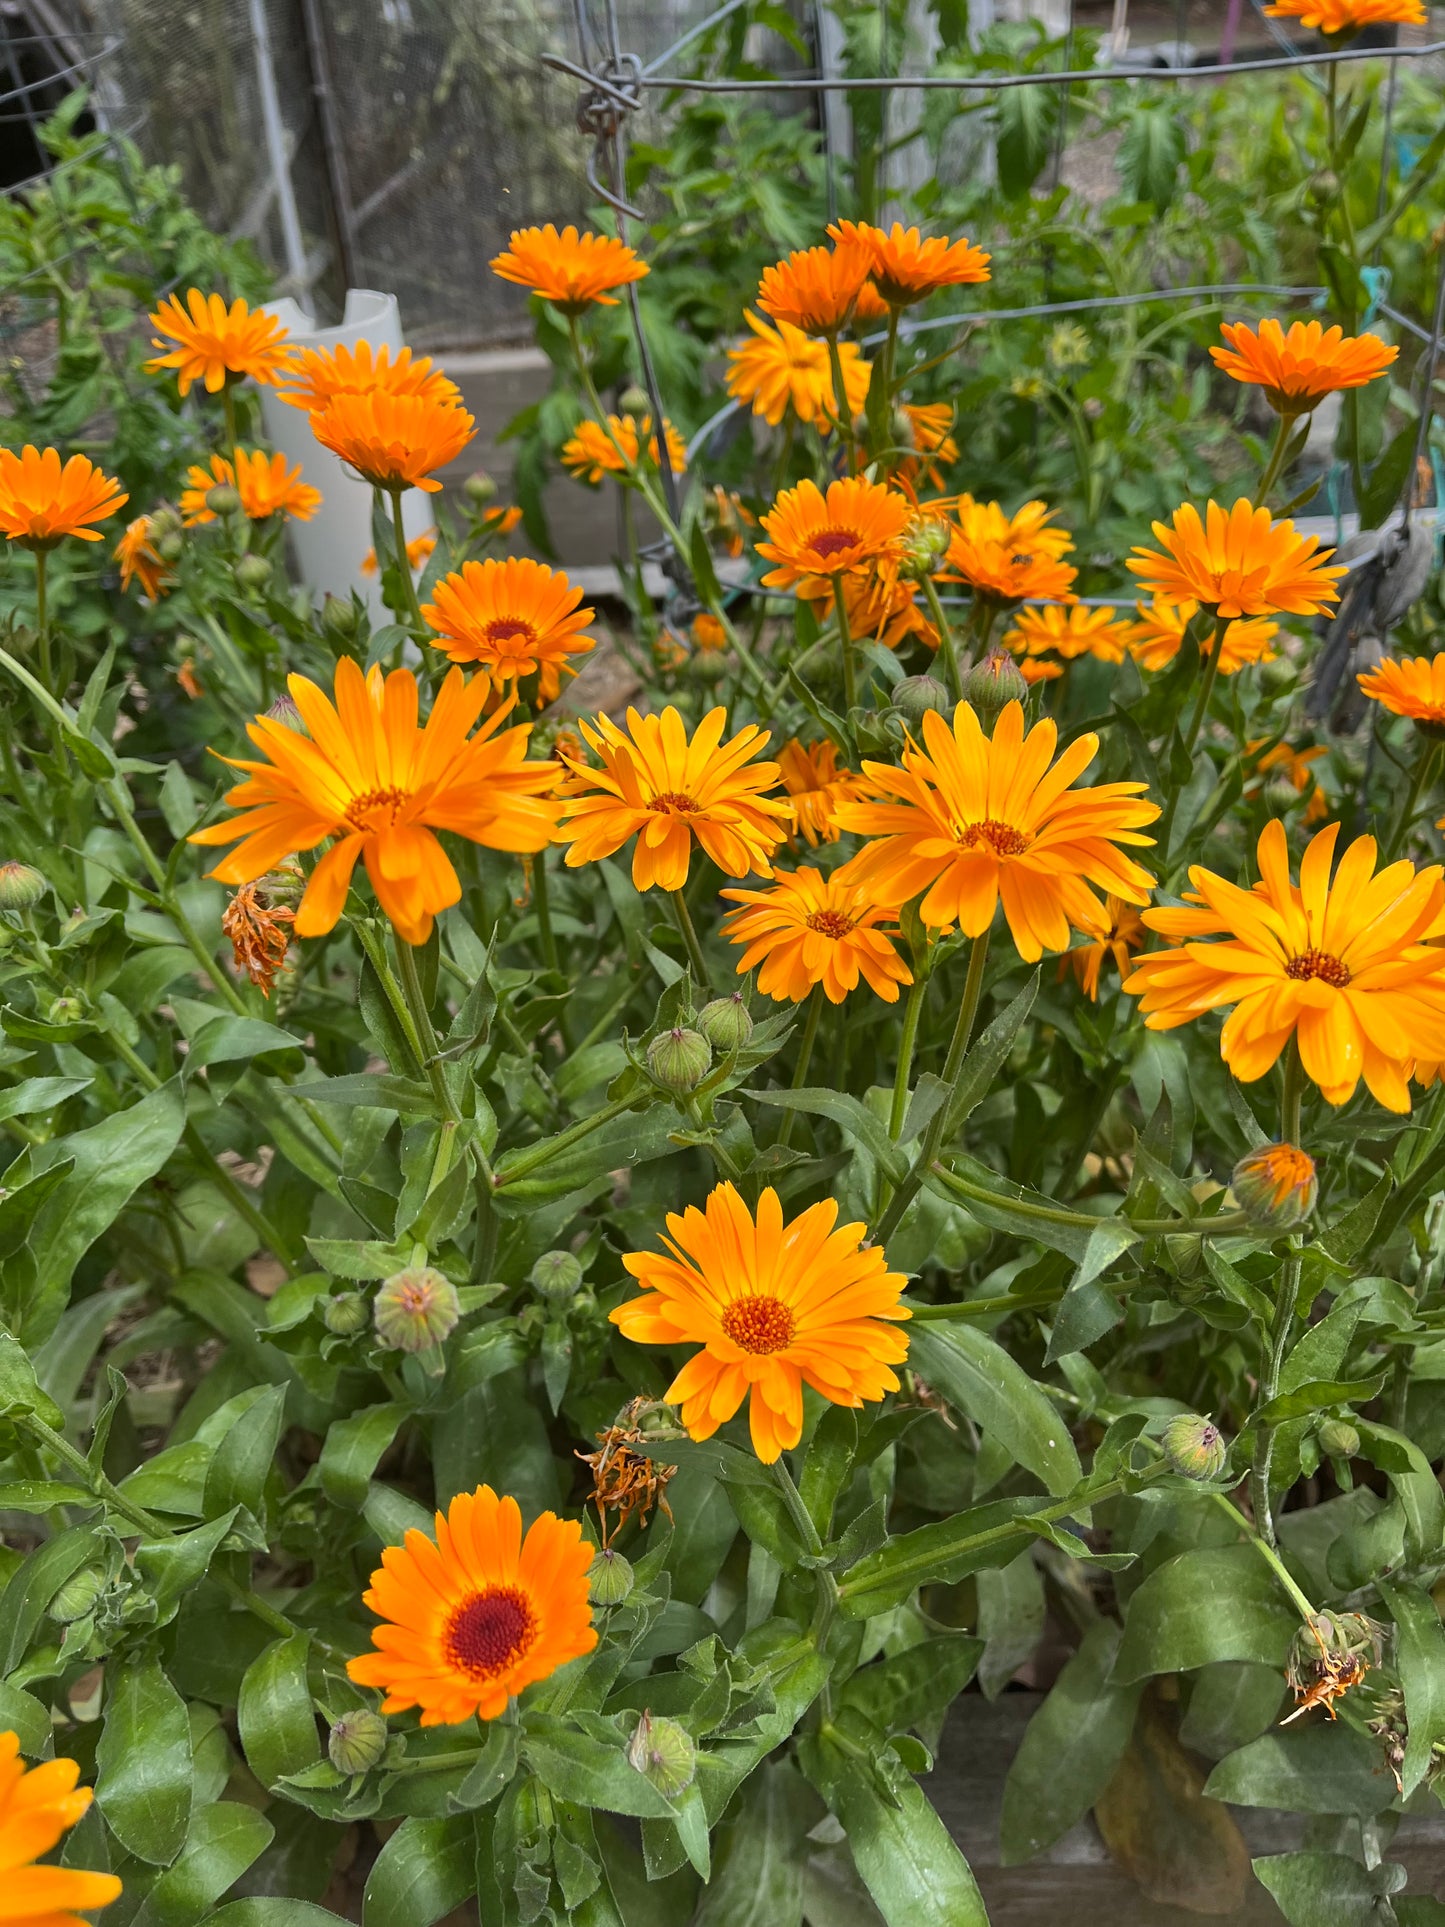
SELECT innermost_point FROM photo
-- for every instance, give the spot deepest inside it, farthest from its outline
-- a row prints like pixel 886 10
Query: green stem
pixel 1420 777
pixel 42 621
pixel 947 648
pixel 912 1011
pixel 1266 1552
pixel 541 1154
pixel 690 941
pixel 233 439
pixel 802 1519
pixel 845 418
pixel 805 1058
pixel 543 909
pixel 890 356
pixel 845 636
pixel 413 604
pixel 1228 1224
pixel 1206 686
pixel 1276 459
pixel 1282 1324
pixel 429 1050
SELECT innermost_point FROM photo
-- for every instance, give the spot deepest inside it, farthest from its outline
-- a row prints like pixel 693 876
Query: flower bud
pixel 164 523
pixel 679 1059
pixel 916 695
pixel 1277 675
pixel 223 499
pixel 479 488
pixel 726 1022
pixel 1276 1186
pixel 169 547
pixel 1281 796
pixel 634 401
pixel 77 1595
pixel 609 1578
pixel 707 665
pixel 345 1314
pixel 21 888
pixel 1339 1439
pixel 416 1309
pixel 664 1754
pixel 995 681
pixel 556 1274
pixel 925 544
pixel 65 1010
pixel 1325 185
pixel 357 1741
pixel 285 712
pixel 1195 1446
pixel 252 571
pixel 338 618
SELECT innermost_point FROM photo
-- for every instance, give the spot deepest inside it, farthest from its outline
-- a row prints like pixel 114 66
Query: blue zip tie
pixel 1332 494
pixel 1377 287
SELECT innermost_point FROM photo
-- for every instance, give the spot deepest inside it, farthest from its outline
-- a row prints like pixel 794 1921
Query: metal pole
pixel 274 131
pixel 332 149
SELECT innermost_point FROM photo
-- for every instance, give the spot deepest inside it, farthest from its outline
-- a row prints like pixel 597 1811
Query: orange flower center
pixel 376 809
pixel 830 542
pixel 1318 963
pixel 673 802
pixel 1002 838
pixel 490 1632
pixel 504 629
pixel 759 1324
pixel 830 923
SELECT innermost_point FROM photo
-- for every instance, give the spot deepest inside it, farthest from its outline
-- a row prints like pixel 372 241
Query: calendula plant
pixel 570 1281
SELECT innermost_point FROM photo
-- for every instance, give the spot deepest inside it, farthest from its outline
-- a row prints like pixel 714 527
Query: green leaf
pixel 1324 1889
pixel 762 1854
pixel 24 1716
pixel 1386 481
pixel 275 1714
pixel 427 1868
pixel 977 1376
pixel 353 1449
pixel 1415 1485
pixel 588 1771
pixel 978 1074
pixel 31 1589
pixel 1322 1768
pixel 245 1456
pixel 857 1122
pixel 1216 1602
pixel 916 1685
pixel 40 1094
pixel 1150 153
pixel 224 1840
pixel 143 1761
pixel 496 1764
pixel 173 1566
pixel 1010 1620
pixel 226 1040
pixel 20 1389
pixel 1027 117
pixel 1420 1655
pixel 266 1910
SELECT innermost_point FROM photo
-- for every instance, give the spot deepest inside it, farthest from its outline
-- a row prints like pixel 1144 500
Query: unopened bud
pixel 1195 1446
pixel 994 682
pixel 1185 1255
pixel 916 695
pixel 338 618
pixel 223 499
pixel 1280 796
pixel 357 1741
pixel 556 1274
pixel 1325 185
pixel 633 401
pixel 284 711
pixel 479 488
pixel 609 1578
pixel 416 1309
pixel 345 1314
pixel 1339 1439
pixel 253 571
pixel 165 523
pixel 1276 1186
pixel 664 1754
pixel 679 1059
pixel 77 1595
pixel 170 546
pixel 925 544
pixel 726 1022
pixel 21 888
pixel 65 1010
pixel 903 436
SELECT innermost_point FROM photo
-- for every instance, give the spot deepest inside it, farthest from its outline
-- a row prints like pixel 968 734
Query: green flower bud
pixel 479 488
pixel 223 499
pixel 634 401
pixel 21 888
pixel 1276 1185
pixel 77 1595
pixel 1185 1255
pixel 726 1022
pixel 338 618
pixel 664 1754
pixel 284 711
pixel 164 523
pixel 345 1314
pixel 1281 796
pixel 994 682
pixel 925 541
pixel 916 695
pixel 1325 185
pixel 679 1059
pixel 708 665
pixel 357 1741
pixel 556 1274
pixel 252 571
pixel 170 546
pixel 1195 1446
pixel 416 1309
pixel 609 1578
pixel 65 1010
pixel 1339 1439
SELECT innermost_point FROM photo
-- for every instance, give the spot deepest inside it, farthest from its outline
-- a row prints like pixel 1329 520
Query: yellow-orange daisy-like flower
pixel 514 618
pixel 821 290
pixel 816 786
pixel 881 607
pixel 1238 562
pixel 265 484
pixel 972 820
pixel 1035 669
pixel 1122 934
pixel 365 773
pixel 37 1805
pixel 1332 17
pixel 783 368
pixel 667 791
pixel 471 1619
pixel 855 526
pixel 1341 966
pixel 141 562
pixel 216 344
pixel 1297 370
pixel 394 441
pixel 930 426
pixel 569 269
pixel 316 376
pixel 42 500
pixel 775 1306
pixel 1156 638
pixel 708 633
pixel 419 552
pixel 1009 558
pixel 1068 632
pixel 906 267
pixel 808 929
pixel 594 451
pixel 1412 686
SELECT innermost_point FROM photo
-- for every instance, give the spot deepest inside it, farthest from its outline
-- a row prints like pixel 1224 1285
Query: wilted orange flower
pixel 189 681
pixel 37 1805
pixel 656 785
pixel 393 441
pixel 930 426
pixel 595 451
pixel 569 269
pixel 774 1306
pixel 264 483
pixel 808 929
pixel 880 607
pixel 816 786
pixel 42 500
pixel 1297 370
pixel 624 1479
pixel 1412 686
pixel 369 776
pixel 514 618
pixel 1156 638
pixel 1293 767
pixel 855 526
pixel 971 820
pixel 1238 562
pixel 783 368
pixel 470 1620
pixel 820 290
pixel 905 267
pixel 1009 558
pixel 1348 16
pixel 1068 632
pixel 140 562
pixel 216 344
pixel 708 634
pixel 316 376
pixel 419 552
pixel 1340 966
pixel 260 929
pixel 1122 934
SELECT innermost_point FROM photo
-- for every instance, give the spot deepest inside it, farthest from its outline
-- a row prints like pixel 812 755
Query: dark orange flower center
pixel 510 629
pixel 1318 963
pixel 759 1324
pixel 490 1632
pixel 1002 838
pixel 376 809
pixel 830 542
pixel 830 923
pixel 675 802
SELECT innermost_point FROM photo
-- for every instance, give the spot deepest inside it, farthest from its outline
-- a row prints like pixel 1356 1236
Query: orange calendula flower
pixel 783 368
pixel 42 500
pixel 708 634
pixel 1156 638
pixel 366 774
pixel 394 441
pixel 821 290
pixel 1068 632
pixel 594 451
pixel 37 1806
pixel 419 552
pixel 1297 370
pixel 856 525
pixel 1238 562
pixel 216 345
pixel 1343 966
pixel 880 607
pixel 140 562
pixel 775 1306
pixel 259 927
pixel 930 431
pixel 514 618
pixel 316 376
pixel 264 483
pixel 1346 17
pixel 1412 686
pixel 1122 934
pixel 569 269
pixel 972 820
pixel 666 791
pixel 906 267
pixel 474 1617
pixel 1009 558
pixel 816 786
pixel 809 929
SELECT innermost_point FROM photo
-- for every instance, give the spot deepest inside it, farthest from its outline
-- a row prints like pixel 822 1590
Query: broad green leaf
pixel 31 1589
pixel 172 1566
pixel 62 1361
pixel 143 1761
pixel 245 1456
pixel 1010 1620
pixel 426 1868
pixel 20 1389
pixel 857 1122
pixel 762 1853
pixel 1216 1602
pixel 591 1773
pixel 1230 1704
pixel 26 1717
pixel 917 1685
pixel 265 1910
pixel 352 1449
pixel 1420 1655
pixel 1325 1889
pixel 224 1840
pixel 227 1040
pixel 275 1715
pixel 33 1094
pixel 977 1376
pixel 1325 1767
